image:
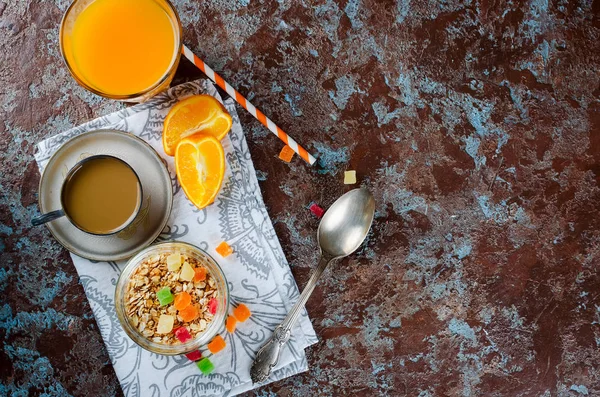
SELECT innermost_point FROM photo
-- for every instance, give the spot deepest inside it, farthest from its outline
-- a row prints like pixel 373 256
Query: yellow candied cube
pixel 165 324
pixel 187 272
pixel 349 177
pixel 174 262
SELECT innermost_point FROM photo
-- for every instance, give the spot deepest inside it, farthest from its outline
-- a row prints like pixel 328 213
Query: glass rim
pixel 167 75
pixel 215 327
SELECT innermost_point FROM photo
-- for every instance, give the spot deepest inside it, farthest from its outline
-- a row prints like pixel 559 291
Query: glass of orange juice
pixel 122 49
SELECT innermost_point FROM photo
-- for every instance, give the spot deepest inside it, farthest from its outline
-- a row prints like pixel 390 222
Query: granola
pixel 143 306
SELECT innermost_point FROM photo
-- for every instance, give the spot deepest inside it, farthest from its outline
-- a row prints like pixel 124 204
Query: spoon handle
pixel 268 355
pixel 47 217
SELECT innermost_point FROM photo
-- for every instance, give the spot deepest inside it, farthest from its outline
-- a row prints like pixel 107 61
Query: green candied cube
pixel 164 296
pixel 205 366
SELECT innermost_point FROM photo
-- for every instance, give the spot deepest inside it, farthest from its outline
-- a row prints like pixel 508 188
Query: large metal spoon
pixel 342 230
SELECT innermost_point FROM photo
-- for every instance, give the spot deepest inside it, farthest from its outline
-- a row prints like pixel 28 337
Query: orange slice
pixel 196 114
pixel 200 167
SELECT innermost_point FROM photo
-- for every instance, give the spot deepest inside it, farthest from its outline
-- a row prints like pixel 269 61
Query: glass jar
pixel 214 327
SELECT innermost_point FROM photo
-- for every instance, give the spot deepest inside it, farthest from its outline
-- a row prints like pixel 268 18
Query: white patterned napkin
pixel 258 273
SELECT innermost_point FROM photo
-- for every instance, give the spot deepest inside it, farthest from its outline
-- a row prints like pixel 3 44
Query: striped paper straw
pixel 260 116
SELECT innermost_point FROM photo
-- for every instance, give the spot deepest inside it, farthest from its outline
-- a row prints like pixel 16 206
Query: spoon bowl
pixel 346 223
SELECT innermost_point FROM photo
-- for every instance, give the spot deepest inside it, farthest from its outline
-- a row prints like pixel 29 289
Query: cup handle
pixel 47 217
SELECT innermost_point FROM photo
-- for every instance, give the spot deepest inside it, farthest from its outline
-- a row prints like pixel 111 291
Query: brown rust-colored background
pixel 476 125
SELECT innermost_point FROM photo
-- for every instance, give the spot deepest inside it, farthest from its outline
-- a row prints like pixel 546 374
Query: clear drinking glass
pixel 214 327
pixel 67 51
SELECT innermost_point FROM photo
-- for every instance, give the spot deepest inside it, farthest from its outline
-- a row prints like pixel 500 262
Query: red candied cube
pixel 183 334
pixel 212 306
pixel 194 356
pixel 316 210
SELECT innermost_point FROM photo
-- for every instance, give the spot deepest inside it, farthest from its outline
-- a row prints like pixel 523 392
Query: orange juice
pixel 121 47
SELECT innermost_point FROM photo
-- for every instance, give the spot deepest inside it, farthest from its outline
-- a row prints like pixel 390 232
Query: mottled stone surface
pixel 477 127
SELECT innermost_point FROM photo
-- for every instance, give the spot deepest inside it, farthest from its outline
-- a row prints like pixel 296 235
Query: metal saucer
pixel 157 199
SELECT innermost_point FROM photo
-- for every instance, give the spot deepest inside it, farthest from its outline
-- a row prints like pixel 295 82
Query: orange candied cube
pixel 182 300
pixel 217 344
pixel 286 154
pixel 189 313
pixel 230 324
pixel 242 313
pixel 224 249
pixel 199 274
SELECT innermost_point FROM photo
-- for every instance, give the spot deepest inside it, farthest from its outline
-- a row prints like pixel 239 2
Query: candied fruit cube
pixel 187 272
pixel 242 312
pixel 217 344
pixel 165 324
pixel 194 356
pixel 164 296
pixel 316 210
pixel 349 177
pixel 230 324
pixel 212 305
pixel 182 300
pixel 199 274
pixel 174 262
pixel 190 313
pixel 205 366
pixel 286 154
pixel 224 249
pixel 183 334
